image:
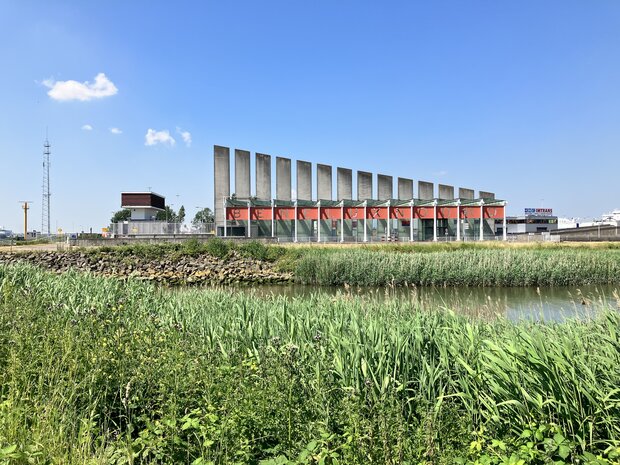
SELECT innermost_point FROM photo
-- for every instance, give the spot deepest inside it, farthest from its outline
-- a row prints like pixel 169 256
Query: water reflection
pixel 514 303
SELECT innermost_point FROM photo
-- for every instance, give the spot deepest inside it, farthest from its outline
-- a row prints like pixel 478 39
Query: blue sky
pixel 521 98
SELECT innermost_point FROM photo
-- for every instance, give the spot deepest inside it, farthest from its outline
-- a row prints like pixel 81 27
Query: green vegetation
pixel 120 216
pixel 216 247
pixel 476 267
pixel 421 264
pixel 99 371
pixel 203 216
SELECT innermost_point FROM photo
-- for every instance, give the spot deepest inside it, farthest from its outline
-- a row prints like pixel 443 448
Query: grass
pixel 440 264
pixel 215 247
pixel 99 371
pixel 460 267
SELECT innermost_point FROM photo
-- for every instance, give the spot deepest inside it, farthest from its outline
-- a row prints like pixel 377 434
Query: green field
pixel 99 371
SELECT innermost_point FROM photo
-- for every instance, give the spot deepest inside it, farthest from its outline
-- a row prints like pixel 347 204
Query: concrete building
pixel 535 220
pixel 143 222
pixel 144 206
pixel 380 218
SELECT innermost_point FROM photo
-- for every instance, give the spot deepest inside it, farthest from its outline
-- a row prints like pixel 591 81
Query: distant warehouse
pixel 535 220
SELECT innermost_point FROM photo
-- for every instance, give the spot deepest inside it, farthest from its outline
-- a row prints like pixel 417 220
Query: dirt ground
pixel 29 248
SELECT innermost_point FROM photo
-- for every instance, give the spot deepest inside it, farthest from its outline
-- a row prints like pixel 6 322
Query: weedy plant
pixel 460 267
pixel 95 370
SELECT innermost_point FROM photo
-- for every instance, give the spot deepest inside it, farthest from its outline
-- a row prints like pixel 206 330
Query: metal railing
pixel 145 228
pixel 158 228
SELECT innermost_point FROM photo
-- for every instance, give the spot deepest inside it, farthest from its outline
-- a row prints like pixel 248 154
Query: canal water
pixel 514 303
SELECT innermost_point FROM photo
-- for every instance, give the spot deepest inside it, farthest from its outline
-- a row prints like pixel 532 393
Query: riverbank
pixel 160 266
pixel 226 262
pixel 100 370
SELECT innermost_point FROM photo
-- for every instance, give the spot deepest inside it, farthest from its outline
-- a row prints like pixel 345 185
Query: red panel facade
pixel 307 213
pixel 237 213
pixel 470 213
pixel 424 213
pixel 284 213
pixel 493 212
pixel 357 213
pixel 330 213
pixel 446 213
pixel 400 213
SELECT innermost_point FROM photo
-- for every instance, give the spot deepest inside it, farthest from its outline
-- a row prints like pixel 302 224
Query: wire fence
pixel 159 228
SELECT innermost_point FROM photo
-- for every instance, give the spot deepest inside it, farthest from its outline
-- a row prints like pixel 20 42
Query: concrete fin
pixel 304 180
pixel 324 182
pixel 221 184
pixel 242 174
pixel 426 190
pixel 385 186
pixel 283 178
pixel 263 176
pixel 405 189
pixel 344 182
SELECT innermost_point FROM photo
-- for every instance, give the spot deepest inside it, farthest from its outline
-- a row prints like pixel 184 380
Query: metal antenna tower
pixel 45 208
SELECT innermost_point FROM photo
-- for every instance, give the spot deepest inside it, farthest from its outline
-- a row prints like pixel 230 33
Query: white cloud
pixel 154 137
pixel 186 135
pixel 83 91
pixel 441 173
pixel 115 131
pixel 87 127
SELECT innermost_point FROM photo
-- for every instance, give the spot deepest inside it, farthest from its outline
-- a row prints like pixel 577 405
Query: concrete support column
pixel 341 221
pixel 387 232
pixel 225 217
pixel 365 221
pixel 435 221
pixel 481 220
pixel 273 219
pixel 458 220
pixel 318 224
pixel 411 221
pixel 249 232
pixel 504 232
pixel 295 220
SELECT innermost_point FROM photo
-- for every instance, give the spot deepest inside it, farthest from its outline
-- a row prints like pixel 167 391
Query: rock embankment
pixel 199 269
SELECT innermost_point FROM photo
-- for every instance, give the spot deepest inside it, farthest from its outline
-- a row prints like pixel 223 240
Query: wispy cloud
pixel 186 136
pixel 87 127
pixel 82 91
pixel 116 131
pixel 154 137
pixel 441 173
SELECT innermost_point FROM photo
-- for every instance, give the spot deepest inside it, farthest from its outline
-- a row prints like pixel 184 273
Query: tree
pixel 181 215
pixel 203 216
pixel 121 215
pixel 168 215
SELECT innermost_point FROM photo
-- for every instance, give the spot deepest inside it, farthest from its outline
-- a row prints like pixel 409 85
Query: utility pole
pixel 25 207
pixel 45 209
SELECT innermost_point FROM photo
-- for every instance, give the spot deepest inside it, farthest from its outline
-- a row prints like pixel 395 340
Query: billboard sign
pixel 539 211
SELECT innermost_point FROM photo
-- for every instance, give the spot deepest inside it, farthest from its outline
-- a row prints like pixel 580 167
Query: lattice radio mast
pixel 45 208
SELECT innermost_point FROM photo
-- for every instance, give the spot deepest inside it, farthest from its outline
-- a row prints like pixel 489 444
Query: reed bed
pixel 461 267
pixel 95 370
